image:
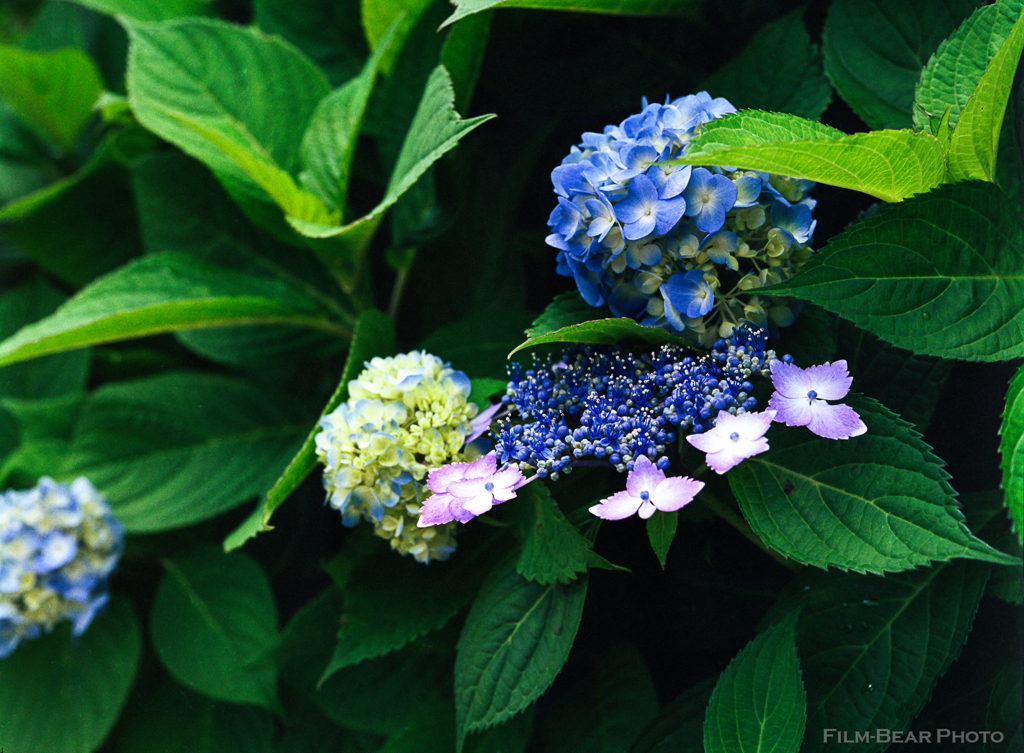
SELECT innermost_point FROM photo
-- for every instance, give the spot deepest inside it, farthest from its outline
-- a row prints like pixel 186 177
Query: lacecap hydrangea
pixel 58 546
pixel 405 414
pixel 609 404
pixel 677 246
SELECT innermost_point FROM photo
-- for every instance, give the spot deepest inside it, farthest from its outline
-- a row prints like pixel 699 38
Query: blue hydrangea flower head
pixel 404 415
pixel 626 222
pixel 59 544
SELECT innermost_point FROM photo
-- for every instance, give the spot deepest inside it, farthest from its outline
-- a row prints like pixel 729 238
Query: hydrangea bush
pixel 325 426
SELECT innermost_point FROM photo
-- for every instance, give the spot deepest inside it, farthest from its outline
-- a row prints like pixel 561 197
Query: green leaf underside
pixel 374 335
pixel 392 601
pixel 604 332
pixel 554 550
pixel 872 648
pixel 217 91
pixel 163 293
pixel 874 52
pixel 679 8
pixel 875 503
pixel 890 165
pixel 174 449
pixel 515 640
pixel 53 92
pixel 81 682
pixel 436 129
pixel 940 274
pixel 975 142
pixel 661 530
pixel 1012 449
pixel 758 705
pixel 795 83
pixel 679 728
pixel 953 72
pixel 212 624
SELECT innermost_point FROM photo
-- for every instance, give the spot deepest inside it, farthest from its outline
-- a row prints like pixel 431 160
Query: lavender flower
pixel 461 491
pixel 800 399
pixel 733 439
pixel 647 490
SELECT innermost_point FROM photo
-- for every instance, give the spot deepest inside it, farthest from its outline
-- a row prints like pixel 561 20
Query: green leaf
pixel 872 648
pixel 565 309
pixel 974 145
pixel 174 449
pixel 43 432
pixel 479 344
pixel 163 293
pixel 679 728
pixel 53 92
pixel 330 140
pixel 679 8
pixel 213 623
pixel 397 17
pixel 232 97
pixel 889 165
pixel 554 550
pixel 661 530
pixel 953 72
pixel 795 82
pixel 877 502
pixel 329 32
pixel 603 710
pixel 148 10
pixel 1012 449
pixel 373 336
pixel 80 226
pixel 874 52
pixel 436 128
pixel 63 695
pixel 759 703
pixel 515 640
pixel 463 55
pixel 907 384
pixel 601 331
pixel 45 377
pixel 939 274
pixel 484 388
pixel 391 601
pixel 168 719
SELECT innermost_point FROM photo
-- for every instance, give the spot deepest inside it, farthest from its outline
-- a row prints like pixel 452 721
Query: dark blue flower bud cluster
pixel 676 246
pixel 606 403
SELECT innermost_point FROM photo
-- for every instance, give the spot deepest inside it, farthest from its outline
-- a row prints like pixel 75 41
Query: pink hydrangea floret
pixel 647 490
pixel 733 439
pixel 461 491
pixel 801 394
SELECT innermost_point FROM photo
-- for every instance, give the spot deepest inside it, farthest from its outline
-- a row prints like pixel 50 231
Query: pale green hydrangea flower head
pixel 405 415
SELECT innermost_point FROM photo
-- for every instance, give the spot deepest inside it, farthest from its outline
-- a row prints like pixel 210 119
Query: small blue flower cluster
pixel 58 546
pixel 676 246
pixel 605 403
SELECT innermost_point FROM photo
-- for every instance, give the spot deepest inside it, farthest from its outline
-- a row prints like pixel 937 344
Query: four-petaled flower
pixel 733 438
pixel 801 394
pixel 708 197
pixel 647 490
pixel 686 294
pixel 464 490
pixel 642 212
